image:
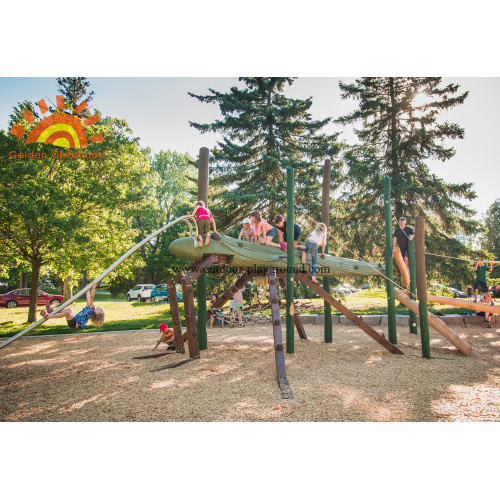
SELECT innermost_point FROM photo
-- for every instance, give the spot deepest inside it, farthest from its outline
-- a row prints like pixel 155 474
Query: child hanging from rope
pixel 203 219
pixel 90 312
pixel 167 336
pixel 316 239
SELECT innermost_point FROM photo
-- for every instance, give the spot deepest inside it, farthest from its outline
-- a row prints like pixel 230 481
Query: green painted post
pixel 422 285
pixel 413 284
pixel 202 280
pixel 325 218
pixel 391 301
pixel 290 262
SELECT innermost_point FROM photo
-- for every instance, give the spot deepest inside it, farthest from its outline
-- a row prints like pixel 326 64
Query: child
pixel 481 279
pixel 487 315
pixel 203 218
pixel 280 222
pixel 238 305
pixel 313 241
pixel 216 313
pixel 90 312
pixel 261 226
pixel 248 232
pixel 167 336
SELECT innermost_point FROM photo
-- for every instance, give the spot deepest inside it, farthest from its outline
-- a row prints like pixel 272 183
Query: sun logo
pixel 61 129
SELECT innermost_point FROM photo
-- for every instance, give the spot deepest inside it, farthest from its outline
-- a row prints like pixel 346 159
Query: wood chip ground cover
pixel 94 378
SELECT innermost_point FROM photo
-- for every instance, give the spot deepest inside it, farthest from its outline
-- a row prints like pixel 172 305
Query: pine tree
pixel 398 136
pixel 264 132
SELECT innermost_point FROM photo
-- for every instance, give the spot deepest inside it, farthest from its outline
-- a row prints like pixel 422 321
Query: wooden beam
pixel 348 314
pixel 438 325
pixel 279 352
pixel 228 294
pixel 405 273
pixel 476 306
pixel 296 316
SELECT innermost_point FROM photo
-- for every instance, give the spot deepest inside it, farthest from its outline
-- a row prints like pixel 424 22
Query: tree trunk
pixel 67 288
pixel 83 281
pixel 35 276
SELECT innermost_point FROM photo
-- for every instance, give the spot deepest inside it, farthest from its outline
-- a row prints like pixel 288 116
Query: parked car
pixel 458 294
pixel 355 290
pixel 366 286
pixel 140 293
pixel 21 297
pixel 160 293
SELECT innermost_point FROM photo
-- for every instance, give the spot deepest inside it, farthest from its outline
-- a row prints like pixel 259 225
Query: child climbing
pixel 203 219
pixel 247 232
pixel 167 336
pixel 262 227
pixel 313 241
pixel 280 222
pixel 90 312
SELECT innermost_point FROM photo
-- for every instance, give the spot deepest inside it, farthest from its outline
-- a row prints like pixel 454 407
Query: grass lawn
pixel 122 315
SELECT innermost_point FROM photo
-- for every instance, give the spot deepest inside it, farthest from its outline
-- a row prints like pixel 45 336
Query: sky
pixel 159 110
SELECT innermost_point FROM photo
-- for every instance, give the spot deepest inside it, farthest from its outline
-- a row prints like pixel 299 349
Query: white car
pixel 140 292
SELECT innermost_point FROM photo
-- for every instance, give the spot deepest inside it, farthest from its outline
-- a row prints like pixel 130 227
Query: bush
pixel 119 286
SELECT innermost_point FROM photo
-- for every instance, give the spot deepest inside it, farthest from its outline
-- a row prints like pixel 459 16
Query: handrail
pixel 98 279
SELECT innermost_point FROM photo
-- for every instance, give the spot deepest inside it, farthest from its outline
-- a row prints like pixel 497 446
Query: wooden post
pixel 290 347
pixel 391 303
pixel 296 316
pixel 413 284
pixel 421 279
pixel 325 219
pixel 279 355
pixel 202 280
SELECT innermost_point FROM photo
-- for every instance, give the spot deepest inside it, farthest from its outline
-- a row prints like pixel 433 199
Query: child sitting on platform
pixel 261 226
pixel 203 219
pixel 247 232
pixel 90 312
pixel 167 336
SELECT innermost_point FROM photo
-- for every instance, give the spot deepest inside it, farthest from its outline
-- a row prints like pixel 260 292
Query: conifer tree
pixel 401 130
pixel 264 132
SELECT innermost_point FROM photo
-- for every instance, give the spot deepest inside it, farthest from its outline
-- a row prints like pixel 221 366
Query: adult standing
pixel 481 270
pixel 401 235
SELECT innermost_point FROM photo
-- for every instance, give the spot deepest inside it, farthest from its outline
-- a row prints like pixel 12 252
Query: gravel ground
pixel 94 378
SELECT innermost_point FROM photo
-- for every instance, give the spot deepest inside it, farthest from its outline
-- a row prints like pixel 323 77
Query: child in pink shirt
pixel 203 219
pixel 261 226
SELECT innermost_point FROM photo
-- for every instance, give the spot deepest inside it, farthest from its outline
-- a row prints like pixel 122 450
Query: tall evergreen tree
pixel 75 90
pixel 398 136
pixel 491 239
pixel 263 133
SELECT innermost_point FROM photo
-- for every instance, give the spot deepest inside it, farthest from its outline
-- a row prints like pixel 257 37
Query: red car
pixel 21 297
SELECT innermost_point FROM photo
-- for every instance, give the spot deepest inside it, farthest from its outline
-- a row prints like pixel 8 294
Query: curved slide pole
pixel 98 279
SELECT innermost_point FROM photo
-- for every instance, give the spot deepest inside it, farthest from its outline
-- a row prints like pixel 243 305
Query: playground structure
pixel 260 260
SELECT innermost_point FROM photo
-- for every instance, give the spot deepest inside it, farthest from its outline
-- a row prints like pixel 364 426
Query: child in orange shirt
pixel 167 336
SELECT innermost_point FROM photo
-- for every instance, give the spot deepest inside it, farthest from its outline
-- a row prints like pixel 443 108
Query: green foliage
pixel 69 214
pixel 401 130
pixel 491 239
pixel 264 132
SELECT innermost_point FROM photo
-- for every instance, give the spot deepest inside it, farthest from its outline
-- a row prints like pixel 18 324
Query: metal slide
pixel 101 277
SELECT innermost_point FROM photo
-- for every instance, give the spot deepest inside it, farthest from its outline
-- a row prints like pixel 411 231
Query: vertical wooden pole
pixel 413 284
pixel 290 348
pixel 202 280
pixel 422 285
pixel 325 218
pixel 391 302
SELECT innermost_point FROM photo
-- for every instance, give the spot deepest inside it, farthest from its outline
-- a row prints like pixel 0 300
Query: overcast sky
pixel 159 110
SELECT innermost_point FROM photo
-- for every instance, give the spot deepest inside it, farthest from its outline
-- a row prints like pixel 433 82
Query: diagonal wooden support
pixel 228 294
pixel 279 353
pixel 179 338
pixel 296 315
pixel 348 313
pixel 187 292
